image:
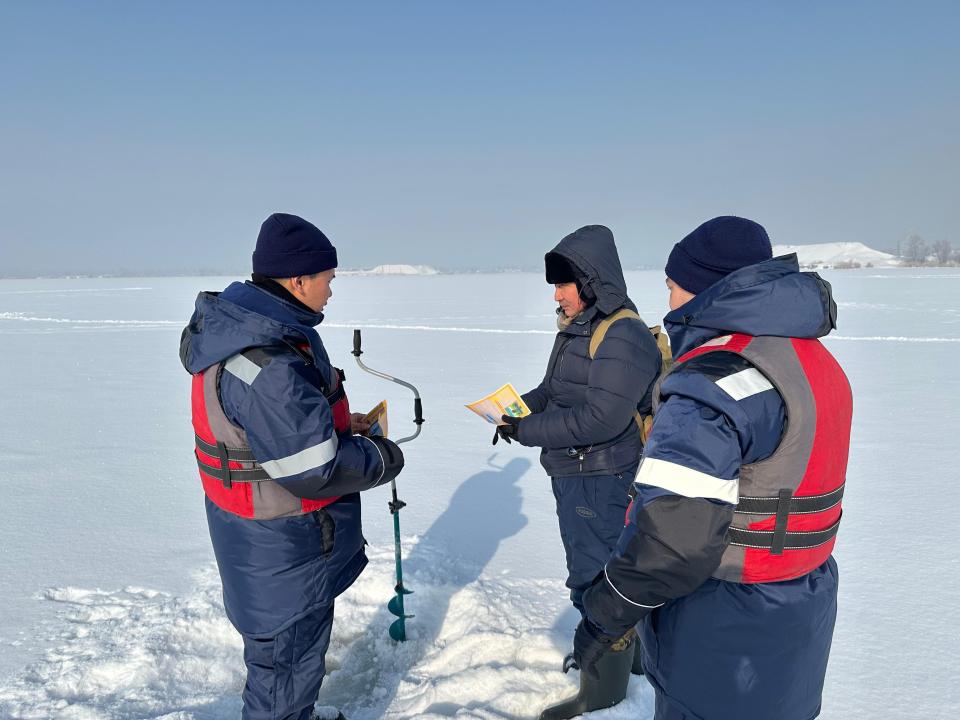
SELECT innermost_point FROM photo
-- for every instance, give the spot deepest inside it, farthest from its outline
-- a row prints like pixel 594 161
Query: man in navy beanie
pixel 282 462
pixel 725 560
pixel 714 250
pixel 288 246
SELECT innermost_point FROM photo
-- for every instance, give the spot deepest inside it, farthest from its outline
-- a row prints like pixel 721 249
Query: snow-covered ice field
pixel 109 602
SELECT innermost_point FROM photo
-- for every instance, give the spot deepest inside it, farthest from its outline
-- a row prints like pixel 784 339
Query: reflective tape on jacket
pixel 685 481
pixel 303 461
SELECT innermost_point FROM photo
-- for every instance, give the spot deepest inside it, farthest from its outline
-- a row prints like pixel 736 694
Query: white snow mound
pixel 827 255
pixel 393 270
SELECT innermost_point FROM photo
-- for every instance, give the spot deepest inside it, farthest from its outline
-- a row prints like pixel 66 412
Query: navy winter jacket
pixel 702 646
pixel 276 571
pixel 583 409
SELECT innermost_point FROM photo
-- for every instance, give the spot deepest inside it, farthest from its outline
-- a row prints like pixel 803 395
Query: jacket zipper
pixel 560 354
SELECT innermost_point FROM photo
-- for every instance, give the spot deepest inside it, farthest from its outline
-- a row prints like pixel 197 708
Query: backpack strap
pixel 663 345
pixel 644 422
pixel 600 331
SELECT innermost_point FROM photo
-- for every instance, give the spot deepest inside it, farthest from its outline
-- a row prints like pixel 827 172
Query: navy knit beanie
pixel 289 246
pixel 716 249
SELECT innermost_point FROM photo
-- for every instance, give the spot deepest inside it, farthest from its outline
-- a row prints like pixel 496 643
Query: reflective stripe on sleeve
pixel 383 462
pixel 242 368
pixel 624 597
pixel 684 481
pixel 312 457
pixel 744 384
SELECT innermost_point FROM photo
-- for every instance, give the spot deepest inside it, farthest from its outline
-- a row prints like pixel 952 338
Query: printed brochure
pixel 503 401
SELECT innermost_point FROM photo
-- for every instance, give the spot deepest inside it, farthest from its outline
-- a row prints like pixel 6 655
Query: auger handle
pixel 417 404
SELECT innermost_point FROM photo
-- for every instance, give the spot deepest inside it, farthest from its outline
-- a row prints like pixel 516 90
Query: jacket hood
pixel 592 251
pixel 244 316
pixel 770 298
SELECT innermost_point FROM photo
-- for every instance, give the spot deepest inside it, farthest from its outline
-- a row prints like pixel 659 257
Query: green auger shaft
pixel 398 629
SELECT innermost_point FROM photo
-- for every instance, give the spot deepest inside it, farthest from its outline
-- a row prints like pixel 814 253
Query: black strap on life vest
pixel 332 397
pixel 765 539
pixel 783 506
pixel 303 352
pixel 798 505
pixel 224 473
pixel 338 394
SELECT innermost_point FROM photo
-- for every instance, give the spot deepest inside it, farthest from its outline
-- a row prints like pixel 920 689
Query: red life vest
pixel 789 506
pixel 245 488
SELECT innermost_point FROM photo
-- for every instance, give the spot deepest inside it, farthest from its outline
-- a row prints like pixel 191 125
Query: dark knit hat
pixel 559 269
pixel 716 249
pixel 289 246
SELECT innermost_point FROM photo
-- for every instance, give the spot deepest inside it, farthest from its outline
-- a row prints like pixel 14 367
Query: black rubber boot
pixel 600 692
pixel 637 668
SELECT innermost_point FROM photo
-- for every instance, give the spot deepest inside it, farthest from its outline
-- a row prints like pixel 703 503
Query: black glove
pixel 509 431
pixel 589 645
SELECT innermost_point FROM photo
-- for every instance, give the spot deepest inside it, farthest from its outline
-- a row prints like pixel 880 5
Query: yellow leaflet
pixel 502 401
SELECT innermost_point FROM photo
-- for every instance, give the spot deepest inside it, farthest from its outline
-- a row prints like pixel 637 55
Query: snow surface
pixel 829 255
pixel 110 606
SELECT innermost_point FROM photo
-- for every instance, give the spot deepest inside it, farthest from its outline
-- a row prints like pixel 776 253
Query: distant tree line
pixel 915 251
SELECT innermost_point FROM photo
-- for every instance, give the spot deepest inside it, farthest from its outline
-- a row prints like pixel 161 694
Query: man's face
pixel 567 295
pixel 678 296
pixel 314 291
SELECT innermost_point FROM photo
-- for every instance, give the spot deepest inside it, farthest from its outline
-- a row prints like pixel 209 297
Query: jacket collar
pixel 769 298
pixel 581 324
pixel 288 309
pixel 277 290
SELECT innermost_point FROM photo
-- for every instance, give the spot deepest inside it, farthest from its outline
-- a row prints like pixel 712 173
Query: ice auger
pixel 398 628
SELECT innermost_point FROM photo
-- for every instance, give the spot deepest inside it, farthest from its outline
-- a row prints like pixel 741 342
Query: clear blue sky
pixel 155 137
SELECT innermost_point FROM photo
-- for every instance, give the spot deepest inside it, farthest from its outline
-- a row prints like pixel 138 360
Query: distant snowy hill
pixel 395 270
pixel 849 254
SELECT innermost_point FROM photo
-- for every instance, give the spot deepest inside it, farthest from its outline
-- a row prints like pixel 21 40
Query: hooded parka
pixel 583 410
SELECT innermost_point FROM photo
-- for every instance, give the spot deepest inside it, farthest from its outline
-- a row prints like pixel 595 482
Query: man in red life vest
pixel 726 555
pixel 281 463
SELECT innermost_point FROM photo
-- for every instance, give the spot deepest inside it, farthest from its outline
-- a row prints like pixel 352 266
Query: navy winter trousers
pixel 591 510
pixel 284 673
pixel 731 650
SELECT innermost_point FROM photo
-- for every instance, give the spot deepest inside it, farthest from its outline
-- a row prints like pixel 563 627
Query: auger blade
pixel 395 606
pixel 398 630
